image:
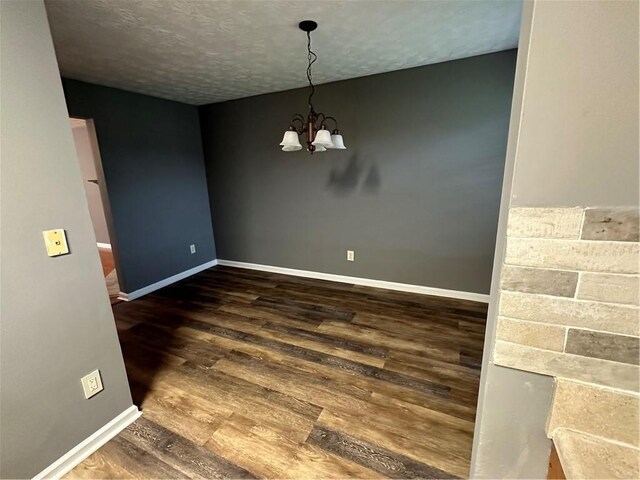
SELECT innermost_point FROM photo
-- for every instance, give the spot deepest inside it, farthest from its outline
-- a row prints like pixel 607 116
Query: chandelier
pixel 314 126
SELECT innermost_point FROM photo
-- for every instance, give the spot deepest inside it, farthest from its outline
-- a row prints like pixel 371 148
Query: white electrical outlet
pixel 351 256
pixel 192 249
pixel 91 384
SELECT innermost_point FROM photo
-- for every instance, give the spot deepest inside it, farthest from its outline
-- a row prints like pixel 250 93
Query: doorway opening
pixel 86 143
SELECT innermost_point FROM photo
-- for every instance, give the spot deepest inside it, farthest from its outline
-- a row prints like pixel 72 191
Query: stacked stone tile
pixel 569 308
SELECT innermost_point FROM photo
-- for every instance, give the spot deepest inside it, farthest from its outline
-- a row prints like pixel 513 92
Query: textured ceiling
pixel 209 51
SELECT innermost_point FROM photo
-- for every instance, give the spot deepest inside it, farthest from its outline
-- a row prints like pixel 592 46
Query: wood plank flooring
pixel 245 374
pixel 108 266
pixel 106 259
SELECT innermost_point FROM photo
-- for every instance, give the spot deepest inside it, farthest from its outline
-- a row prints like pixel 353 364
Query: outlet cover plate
pixel 351 256
pixel 92 384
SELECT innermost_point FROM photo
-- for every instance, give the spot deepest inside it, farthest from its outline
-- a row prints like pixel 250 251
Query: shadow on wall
pixel 346 180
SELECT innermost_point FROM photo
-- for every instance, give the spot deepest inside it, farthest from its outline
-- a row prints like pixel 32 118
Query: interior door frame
pixel 104 196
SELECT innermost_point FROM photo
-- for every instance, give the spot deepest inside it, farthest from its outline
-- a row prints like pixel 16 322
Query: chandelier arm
pixel 335 122
pixel 300 119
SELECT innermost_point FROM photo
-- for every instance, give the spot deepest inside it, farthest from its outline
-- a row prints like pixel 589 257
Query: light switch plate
pixel 91 384
pixel 56 242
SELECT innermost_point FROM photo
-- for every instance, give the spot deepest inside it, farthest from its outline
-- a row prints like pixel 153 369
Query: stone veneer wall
pixel 568 308
pixel 569 295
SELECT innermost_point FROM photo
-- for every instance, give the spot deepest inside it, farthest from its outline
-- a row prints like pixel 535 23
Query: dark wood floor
pixel 244 374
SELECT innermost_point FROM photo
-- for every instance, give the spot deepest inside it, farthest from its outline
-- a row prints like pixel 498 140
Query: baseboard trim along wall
pixel 401 287
pixel 89 445
pixel 105 246
pixel 167 281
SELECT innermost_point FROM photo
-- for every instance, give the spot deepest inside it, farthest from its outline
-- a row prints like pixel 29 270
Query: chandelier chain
pixel 312 57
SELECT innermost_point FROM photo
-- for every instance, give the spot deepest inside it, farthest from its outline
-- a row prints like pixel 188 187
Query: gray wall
pixel 154 174
pixel 57 324
pixel 416 194
pixel 509 437
pixel 84 148
pixel 573 140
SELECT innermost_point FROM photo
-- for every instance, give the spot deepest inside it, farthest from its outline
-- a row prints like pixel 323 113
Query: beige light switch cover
pixel 56 242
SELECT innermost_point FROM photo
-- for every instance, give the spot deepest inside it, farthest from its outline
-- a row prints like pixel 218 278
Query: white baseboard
pixel 167 281
pixel 401 287
pixel 89 445
pixel 106 246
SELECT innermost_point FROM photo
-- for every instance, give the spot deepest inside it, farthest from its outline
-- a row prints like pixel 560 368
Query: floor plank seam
pixel 257 375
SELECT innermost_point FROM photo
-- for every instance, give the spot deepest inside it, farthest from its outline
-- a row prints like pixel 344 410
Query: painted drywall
pixel 579 134
pixel 86 157
pixel 415 194
pixel 513 406
pixel 154 177
pixel 57 324
pixel 509 437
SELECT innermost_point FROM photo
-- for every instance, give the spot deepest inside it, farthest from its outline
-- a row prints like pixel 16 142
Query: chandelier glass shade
pixel 317 136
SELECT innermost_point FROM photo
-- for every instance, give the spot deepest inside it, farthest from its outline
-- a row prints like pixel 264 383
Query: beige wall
pixel 57 324
pixel 85 142
pixel 573 141
pixel 578 142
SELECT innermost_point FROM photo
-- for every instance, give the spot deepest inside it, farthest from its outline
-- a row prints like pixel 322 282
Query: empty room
pixel 334 239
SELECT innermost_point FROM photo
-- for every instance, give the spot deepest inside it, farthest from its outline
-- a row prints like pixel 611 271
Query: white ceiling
pixel 209 51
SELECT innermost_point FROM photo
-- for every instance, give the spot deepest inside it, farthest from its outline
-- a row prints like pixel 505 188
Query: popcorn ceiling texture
pixel 569 308
pixel 201 52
